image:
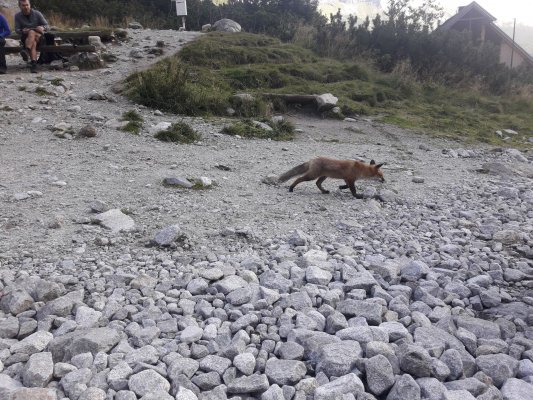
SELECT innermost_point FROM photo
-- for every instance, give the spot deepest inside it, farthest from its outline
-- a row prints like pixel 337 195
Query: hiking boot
pixel 33 67
pixel 25 55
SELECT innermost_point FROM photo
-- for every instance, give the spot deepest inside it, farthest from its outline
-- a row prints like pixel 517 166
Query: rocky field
pixel 115 286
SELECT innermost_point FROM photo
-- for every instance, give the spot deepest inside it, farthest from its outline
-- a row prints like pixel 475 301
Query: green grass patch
pixel 133 127
pixel 179 132
pixel 135 122
pixel 132 116
pixel 465 116
pixel 40 91
pixel 204 77
pixel 221 49
pixel 56 81
pixel 247 128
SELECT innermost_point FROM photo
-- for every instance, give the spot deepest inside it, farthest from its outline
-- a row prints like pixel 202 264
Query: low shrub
pixel 179 132
pixel 132 116
pixel 134 124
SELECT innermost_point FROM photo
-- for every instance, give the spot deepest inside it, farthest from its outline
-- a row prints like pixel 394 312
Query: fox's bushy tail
pixel 298 170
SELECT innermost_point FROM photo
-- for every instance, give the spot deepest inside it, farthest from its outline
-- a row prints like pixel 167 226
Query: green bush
pixel 170 86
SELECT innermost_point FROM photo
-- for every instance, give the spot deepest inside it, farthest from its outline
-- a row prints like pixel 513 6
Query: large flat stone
pixel 115 220
pixel 96 340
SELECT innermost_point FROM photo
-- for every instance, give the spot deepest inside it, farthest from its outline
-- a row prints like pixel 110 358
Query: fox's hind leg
pixel 319 184
pixel 301 179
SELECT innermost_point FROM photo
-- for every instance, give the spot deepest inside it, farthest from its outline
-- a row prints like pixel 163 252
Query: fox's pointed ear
pixel 372 162
pixel 379 165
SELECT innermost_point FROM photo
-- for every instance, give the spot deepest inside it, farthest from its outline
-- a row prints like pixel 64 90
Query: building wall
pixel 505 56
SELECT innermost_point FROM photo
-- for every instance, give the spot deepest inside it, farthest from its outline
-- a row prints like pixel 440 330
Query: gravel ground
pixel 243 289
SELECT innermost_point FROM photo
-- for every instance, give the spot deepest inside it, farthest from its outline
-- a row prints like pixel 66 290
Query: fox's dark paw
pixel 291 189
pixel 343 187
pixel 325 191
pixel 379 198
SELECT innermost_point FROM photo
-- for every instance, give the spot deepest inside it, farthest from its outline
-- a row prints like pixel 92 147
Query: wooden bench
pixel 76 42
pixel 63 49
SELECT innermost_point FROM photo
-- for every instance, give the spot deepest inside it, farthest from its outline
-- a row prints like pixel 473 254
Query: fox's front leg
pixel 351 185
pixel 319 184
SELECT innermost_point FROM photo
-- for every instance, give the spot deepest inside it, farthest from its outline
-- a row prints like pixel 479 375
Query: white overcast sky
pixel 502 10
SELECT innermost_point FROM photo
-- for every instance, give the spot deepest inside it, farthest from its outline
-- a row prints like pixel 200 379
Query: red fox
pixel 321 168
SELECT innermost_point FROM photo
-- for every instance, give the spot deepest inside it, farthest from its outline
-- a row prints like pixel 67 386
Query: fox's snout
pixel 379 176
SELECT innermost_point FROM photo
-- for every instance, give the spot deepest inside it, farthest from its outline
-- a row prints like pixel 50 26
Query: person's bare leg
pixel 31 44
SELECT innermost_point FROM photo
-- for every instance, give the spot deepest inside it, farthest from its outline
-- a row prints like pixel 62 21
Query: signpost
pixel 181 11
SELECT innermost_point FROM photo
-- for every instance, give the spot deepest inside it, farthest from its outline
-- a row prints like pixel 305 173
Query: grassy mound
pixel 204 76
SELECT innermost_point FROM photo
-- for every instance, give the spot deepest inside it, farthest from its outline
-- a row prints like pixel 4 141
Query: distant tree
pixel 153 14
pixel 279 18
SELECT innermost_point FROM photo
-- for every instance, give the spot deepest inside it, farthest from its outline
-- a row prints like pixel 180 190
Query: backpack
pixel 48 57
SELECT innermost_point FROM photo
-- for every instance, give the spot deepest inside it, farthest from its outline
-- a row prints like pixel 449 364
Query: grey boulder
pixel 226 25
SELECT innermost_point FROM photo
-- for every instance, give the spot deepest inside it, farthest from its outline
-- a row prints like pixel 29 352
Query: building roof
pixel 463 11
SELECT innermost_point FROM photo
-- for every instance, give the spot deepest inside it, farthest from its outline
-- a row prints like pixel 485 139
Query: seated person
pixel 4 32
pixel 30 24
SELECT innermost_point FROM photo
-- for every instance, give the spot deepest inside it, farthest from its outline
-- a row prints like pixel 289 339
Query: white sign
pixel 181 8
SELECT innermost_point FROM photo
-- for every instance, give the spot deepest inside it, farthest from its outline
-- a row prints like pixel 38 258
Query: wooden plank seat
pixel 76 37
